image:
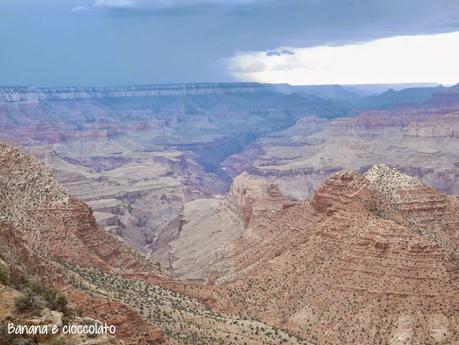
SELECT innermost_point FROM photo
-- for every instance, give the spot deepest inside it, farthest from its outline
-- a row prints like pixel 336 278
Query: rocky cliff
pixel 43 228
pixel 50 243
pixel 208 226
pixel 250 195
pixel 370 259
pixel 138 154
pixel 31 94
pixel 419 141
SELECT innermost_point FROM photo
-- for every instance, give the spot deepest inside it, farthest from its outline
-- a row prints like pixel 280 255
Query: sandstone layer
pixel 370 259
pixel 210 225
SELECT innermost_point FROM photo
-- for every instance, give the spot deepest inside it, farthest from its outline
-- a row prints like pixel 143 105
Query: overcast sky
pixel 120 42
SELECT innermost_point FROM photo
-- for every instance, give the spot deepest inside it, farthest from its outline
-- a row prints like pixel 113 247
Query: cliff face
pixel 52 238
pixel 51 221
pixel 250 195
pixel 369 259
pixel 86 106
pixel 137 155
pixel 30 94
pixel 446 127
pixel 208 227
pixel 418 141
pixel 42 229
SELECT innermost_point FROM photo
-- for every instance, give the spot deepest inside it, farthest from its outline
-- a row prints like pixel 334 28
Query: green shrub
pixel 19 281
pixel 4 275
pixel 36 296
pixel 28 302
pixel 54 300
pixel 12 339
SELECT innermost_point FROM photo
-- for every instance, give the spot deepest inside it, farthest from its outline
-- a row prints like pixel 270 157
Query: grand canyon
pixel 231 213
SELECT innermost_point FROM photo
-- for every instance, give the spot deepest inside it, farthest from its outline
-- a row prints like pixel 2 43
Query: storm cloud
pixel 118 42
pixel 280 52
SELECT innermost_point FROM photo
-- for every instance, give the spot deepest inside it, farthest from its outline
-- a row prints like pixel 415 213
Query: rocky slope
pixel 370 259
pixel 210 225
pixel 50 238
pixel 42 227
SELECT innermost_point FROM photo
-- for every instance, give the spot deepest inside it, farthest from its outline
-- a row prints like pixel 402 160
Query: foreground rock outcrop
pixel 370 259
pixel 42 228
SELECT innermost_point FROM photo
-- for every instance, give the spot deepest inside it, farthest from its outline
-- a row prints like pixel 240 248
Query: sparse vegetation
pixel 180 316
pixel 54 300
pixel 29 302
pixel 36 296
pixel 4 275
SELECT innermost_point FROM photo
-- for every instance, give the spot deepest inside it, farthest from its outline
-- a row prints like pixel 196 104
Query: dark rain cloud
pixel 112 42
pixel 280 52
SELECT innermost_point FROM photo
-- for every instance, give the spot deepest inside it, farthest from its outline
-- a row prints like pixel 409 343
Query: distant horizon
pixel 106 86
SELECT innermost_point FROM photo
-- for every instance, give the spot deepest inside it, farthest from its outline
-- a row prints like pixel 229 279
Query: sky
pixel 125 42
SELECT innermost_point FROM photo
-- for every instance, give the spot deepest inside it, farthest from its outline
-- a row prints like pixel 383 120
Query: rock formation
pixel 370 259
pixel 146 149
pixel 418 141
pixel 50 240
pixel 209 225
pixel 137 155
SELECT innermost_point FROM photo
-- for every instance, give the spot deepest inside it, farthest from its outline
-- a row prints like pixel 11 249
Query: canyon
pixel 233 213
pixel 138 155
pixel 420 139
pixel 49 237
pixel 304 272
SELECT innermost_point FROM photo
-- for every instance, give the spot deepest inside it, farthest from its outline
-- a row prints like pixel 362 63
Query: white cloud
pixel 115 3
pixel 423 58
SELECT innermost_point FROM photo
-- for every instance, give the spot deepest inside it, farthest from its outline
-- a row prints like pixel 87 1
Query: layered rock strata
pixel 370 259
